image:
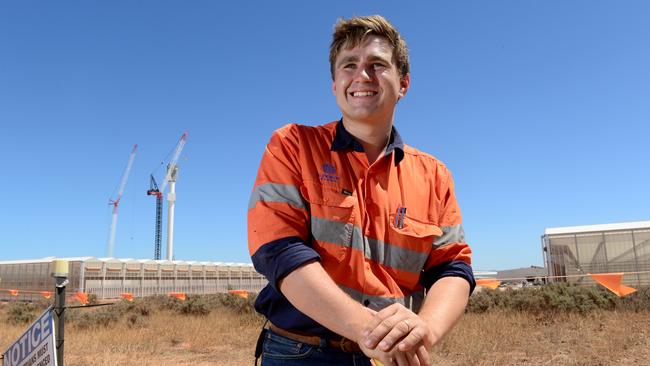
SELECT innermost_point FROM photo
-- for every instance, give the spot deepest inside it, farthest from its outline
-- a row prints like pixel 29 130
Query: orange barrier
pixel 242 293
pixel 612 282
pixel 127 296
pixel 491 283
pixel 82 297
pixel 179 295
pixel 13 292
pixel 47 294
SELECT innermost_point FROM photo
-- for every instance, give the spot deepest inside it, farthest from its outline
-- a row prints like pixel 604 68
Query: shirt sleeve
pixel 450 255
pixel 278 215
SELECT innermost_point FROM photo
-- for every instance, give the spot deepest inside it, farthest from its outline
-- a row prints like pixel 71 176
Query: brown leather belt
pixel 342 343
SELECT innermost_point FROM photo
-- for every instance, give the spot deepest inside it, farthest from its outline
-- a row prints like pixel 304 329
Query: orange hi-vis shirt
pixel 383 232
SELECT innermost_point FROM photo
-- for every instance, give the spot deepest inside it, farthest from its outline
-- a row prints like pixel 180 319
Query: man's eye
pixel 378 65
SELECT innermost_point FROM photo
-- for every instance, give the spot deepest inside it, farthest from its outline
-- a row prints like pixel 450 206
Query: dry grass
pixel 225 337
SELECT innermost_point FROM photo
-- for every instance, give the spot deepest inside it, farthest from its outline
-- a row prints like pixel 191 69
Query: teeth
pixel 363 94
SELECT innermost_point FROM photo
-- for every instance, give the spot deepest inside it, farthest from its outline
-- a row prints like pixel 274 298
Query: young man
pixel 351 226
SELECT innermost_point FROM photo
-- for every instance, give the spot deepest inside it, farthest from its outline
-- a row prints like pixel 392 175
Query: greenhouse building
pixel 109 278
pixel 570 253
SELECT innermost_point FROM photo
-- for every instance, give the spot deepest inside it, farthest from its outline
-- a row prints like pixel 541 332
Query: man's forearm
pixel 444 304
pixel 311 290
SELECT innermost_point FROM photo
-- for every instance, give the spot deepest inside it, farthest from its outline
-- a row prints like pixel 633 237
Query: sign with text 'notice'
pixel 36 346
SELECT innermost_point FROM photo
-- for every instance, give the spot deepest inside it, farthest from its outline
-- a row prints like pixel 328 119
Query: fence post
pixel 60 273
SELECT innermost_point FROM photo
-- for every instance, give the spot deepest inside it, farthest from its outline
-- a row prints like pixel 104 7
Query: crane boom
pixel 173 161
pixel 116 202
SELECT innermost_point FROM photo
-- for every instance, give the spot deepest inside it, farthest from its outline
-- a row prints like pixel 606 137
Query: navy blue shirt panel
pixel 344 140
pixel 449 269
pixel 280 257
pixel 275 260
pixel 279 311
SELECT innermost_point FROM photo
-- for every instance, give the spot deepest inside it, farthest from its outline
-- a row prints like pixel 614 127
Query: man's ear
pixel 404 84
pixel 333 87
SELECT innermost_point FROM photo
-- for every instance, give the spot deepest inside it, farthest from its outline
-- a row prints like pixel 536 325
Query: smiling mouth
pixel 363 93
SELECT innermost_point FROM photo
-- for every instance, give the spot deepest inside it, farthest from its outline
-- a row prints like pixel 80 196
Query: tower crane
pixel 116 202
pixel 154 190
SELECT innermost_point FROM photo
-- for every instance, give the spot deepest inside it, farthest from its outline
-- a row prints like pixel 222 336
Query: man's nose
pixel 364 73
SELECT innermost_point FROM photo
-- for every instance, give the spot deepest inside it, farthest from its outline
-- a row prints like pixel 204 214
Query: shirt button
pixel 366 302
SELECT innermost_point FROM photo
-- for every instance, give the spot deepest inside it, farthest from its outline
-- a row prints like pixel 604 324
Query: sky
pixel 541 110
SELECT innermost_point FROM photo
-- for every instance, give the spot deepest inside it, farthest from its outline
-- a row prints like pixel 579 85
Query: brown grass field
pixel 225 337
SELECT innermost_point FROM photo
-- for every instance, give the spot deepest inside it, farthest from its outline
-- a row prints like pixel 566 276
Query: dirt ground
pixel 499 338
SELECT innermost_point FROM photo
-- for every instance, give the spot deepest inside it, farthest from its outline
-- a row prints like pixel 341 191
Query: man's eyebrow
pixel 378 58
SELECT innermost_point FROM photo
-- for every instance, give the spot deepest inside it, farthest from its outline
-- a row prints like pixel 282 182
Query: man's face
pixel 367 84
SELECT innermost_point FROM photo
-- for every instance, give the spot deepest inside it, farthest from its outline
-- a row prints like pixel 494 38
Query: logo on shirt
pixel 329 174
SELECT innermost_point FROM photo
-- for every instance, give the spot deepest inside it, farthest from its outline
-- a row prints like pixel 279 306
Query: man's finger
pixel 380 316
pixel 400 359
pixel 423 356
pixel 411 340
pixel 399 330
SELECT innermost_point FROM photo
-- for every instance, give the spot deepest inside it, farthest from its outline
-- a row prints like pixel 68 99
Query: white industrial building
pixel 108 278
pixel 570 253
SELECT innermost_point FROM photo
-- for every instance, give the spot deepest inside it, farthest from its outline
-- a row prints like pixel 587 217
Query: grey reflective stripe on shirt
pixel 450 234
pixel 386 254
pixel 412 301
pixel 273 192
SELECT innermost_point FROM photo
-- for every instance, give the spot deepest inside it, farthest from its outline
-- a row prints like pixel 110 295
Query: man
pixel 351 226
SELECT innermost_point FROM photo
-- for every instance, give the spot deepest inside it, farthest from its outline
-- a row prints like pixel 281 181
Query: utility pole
pixel 60 273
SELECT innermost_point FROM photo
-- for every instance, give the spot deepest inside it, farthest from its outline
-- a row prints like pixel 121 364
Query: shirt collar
pixel 343 140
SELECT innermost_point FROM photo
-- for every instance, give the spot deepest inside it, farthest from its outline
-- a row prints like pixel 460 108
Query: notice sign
pixel 35 347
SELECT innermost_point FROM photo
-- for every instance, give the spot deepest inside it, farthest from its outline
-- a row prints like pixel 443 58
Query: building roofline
pixel 597 228
pixel 124 260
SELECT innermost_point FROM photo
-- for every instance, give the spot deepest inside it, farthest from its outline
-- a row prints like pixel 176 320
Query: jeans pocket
pixel 279 347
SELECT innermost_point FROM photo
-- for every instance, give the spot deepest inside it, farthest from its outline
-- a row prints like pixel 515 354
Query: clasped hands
pixel 398 337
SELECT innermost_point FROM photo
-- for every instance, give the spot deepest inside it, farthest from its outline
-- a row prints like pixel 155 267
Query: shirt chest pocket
pixel 416 235
pixel 332 219
pixel 412 227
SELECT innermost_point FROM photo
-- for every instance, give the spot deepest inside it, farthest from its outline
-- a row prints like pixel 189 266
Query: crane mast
pixel 116 202
pixel 170 179
pixel 154 191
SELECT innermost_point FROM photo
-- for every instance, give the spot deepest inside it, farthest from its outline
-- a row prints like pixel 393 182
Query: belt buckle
pixel 347 345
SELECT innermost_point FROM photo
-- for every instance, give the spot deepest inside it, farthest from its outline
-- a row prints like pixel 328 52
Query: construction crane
pixel 154 191
pixel 116 202
pixel 170 178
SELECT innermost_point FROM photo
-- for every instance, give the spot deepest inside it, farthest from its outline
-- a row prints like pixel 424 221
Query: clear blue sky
pixel 541 109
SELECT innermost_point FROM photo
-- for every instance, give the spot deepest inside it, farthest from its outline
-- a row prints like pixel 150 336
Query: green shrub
pixel 138 306
pixel 557 297
pixel 638 301
pixel 19 313
pixel 96 319
pixel 195 305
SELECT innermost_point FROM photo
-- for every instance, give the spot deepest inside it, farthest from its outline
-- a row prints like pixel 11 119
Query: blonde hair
pixel 351 32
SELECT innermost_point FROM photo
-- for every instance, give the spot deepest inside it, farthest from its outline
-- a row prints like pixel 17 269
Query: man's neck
pixel 373 137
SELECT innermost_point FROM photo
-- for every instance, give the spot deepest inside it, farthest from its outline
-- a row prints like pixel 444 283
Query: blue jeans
pixel 282 351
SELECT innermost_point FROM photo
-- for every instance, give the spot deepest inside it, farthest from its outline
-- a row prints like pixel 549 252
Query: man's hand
pixel 395 357
pixel 398 326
